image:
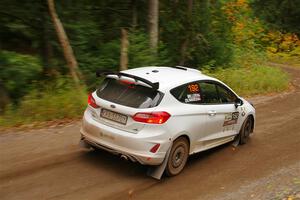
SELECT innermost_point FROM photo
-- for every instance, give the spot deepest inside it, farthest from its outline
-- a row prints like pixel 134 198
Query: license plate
pixel 113 116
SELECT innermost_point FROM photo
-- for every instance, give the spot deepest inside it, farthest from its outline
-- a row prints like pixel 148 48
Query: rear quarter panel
pixel 185 119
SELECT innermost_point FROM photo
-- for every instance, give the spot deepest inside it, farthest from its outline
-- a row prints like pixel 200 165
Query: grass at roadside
pixel 62 101
pixel 253 80
pixel 48 104
pixel 292 58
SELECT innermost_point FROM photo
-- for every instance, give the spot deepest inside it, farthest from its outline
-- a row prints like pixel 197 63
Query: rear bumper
pixel 135 147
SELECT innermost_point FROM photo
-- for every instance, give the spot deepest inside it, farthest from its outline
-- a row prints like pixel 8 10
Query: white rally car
pixel 164 114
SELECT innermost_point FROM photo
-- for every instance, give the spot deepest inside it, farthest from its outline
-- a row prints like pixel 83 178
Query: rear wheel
pixel 245 131
pixel 178 156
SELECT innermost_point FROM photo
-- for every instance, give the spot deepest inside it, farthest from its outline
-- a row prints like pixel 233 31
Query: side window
pixel 188 93
pixel 209 93
pixel 226 96
pixel 203 93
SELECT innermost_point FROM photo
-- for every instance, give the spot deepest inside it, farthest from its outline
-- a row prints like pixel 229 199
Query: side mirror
pixel 238 102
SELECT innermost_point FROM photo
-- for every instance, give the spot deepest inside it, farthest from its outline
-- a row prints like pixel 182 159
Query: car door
pixel 221 113
pixel 189 113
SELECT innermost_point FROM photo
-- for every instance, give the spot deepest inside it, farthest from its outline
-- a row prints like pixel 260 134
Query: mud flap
pixel 83 144
pixel 236 140
pixel 157 171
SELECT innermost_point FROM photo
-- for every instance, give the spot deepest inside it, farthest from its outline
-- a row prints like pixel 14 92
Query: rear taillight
pixel 152 118
pixel 92 102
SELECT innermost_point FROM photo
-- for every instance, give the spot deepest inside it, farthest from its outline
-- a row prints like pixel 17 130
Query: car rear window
pixel 121 92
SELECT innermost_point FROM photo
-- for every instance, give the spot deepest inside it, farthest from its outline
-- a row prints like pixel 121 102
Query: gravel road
pixel 48 163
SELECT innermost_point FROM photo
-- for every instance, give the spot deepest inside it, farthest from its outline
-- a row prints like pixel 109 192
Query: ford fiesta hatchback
pixel 155 114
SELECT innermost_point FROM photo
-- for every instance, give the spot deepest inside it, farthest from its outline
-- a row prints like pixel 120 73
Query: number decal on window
pixel 193 88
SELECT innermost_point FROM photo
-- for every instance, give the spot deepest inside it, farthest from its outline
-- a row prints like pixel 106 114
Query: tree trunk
pixel 124 50
pixel 4 98
pixel 45 48
pixel 185 43
pixel 134 14
pixel 183 53
pixel 153 23
pixel 64 41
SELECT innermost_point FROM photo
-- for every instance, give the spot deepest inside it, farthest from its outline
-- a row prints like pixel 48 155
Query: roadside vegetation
pixel 53 101
pixel 291 58
pixel 257 80
pixel 42 78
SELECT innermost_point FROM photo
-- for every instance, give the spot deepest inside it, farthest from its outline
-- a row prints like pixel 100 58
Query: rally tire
pixel 246 130
pixel 178 156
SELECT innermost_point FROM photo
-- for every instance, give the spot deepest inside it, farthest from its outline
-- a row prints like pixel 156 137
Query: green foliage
pixel 292 58
pixel 141 55
pixel 17 72
pixel 279 14
pixel 106 57
pixel 206 31
pixel 255 80
pixel 59 100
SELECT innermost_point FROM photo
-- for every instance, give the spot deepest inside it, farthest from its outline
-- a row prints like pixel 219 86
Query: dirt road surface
pixel 48 164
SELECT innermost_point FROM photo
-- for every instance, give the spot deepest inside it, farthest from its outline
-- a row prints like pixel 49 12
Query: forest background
pixel 50 50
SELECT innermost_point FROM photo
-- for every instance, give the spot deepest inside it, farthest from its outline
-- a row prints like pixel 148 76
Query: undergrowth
pixel 249 81
pixel 291 58
pixel 55 101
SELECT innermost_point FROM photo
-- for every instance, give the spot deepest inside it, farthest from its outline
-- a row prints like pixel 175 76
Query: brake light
pixel 128 83
pixel 92 102
pixel 152 118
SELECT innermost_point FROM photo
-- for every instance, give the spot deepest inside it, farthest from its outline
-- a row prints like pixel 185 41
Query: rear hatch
pixel 120 98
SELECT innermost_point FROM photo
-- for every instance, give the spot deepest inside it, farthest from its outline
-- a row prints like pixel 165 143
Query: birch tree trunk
pixel 64 42
pixel 124 50
pixel 153 23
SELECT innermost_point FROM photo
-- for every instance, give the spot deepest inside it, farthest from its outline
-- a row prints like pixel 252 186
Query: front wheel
pixel 178 156
pixel 245 131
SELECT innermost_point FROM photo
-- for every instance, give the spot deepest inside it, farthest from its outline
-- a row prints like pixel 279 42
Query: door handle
pixel 212 113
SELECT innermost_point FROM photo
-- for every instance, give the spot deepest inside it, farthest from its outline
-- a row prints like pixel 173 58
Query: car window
pixel 226 96
pixel 187 93
pixel 209 93
pixel 135 96
pixel 203 93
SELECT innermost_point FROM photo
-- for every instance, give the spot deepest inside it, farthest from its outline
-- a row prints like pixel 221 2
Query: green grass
pixel 47 105
pixel 291 58
pixel 253 80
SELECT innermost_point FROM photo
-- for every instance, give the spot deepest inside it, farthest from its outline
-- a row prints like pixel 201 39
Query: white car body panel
pixel 202 124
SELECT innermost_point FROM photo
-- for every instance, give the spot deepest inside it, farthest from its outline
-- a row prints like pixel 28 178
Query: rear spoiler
pixel 100 73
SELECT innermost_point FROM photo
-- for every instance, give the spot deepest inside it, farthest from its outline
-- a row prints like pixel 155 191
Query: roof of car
pixel 168 77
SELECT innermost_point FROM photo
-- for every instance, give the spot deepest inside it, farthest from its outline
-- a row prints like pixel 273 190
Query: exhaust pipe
pixel 124 157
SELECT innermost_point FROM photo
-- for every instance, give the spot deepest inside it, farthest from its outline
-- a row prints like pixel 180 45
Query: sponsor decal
pixel 194 88
pixel 192 98
pixel 193 91
pixel 231 118
pixel 243 111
